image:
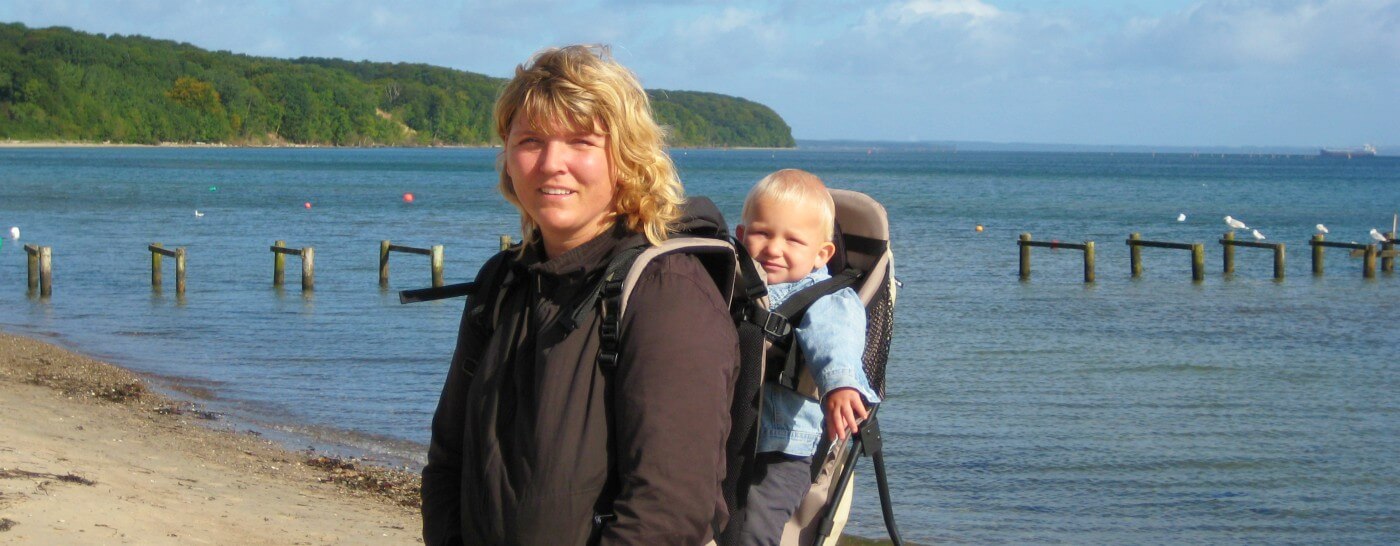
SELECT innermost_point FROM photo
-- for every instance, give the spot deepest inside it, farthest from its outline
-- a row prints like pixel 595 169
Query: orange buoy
pixel 979 228
pixel 307 205
pixel 408 197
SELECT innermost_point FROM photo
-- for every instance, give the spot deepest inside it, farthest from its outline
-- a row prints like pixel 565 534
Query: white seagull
pixel 198 214
pixel 1181 217
pixel 1321 228
pixel 14 232
pixel 1378 236
pixel 1235 224
pixel 1258 236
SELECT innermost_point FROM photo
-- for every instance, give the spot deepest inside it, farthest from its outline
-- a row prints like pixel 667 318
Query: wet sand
pixel 89 455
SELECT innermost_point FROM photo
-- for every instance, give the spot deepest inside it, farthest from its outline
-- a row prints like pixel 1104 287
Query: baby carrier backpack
pixel 865 264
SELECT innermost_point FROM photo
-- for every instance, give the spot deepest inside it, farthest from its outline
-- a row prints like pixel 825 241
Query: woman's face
pixel 564 182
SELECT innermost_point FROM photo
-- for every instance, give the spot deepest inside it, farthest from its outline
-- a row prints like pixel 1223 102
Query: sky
pixel 1094 72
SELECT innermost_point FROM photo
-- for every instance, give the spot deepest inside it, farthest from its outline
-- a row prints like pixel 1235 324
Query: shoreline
pixel 107 459
pixel 92 455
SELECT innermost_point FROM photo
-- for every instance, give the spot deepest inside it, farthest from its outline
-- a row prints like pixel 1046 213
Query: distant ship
pixel 1364 151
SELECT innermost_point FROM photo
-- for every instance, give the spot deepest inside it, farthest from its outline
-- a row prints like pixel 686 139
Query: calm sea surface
pixel 1156 410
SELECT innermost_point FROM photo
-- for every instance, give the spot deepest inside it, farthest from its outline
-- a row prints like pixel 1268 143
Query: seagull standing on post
pixel 1378 236
pixel 1321 228
pixel 1258 236
pixel 1235 224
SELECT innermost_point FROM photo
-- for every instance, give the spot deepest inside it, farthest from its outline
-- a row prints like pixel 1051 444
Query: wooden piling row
pixel 308 264
pixel 434 254
pixel 40 264
pixel 1229 243
pixel 1198 255
pixel 1026 243
pixel 1368 262
pixel 40 260
pixel 157 250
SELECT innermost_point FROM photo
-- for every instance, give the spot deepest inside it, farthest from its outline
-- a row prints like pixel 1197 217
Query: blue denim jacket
pixel 832 337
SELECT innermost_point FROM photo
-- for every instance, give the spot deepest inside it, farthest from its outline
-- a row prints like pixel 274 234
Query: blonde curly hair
pixel 579 88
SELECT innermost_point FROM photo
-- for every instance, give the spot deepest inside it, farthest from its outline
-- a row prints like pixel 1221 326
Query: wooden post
pixel 33 252
pixel 1318 253
pixel 384 263
pixel 1025 256
pixel 1229 252
pixel 1198 262
pixel 277 263
pixel 437 265
pixel 180 270
pixel 155 268
pixel 505 242
pixel 46 270
pixel 1368 262
pixel 1135 253
pixel 1278 262
pixel 1088 261
pixel 1387 260
pixel 308 268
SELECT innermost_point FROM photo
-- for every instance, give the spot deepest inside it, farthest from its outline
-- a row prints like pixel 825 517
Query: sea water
pixel 1240 409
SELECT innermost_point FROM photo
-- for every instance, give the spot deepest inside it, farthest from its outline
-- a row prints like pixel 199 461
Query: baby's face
pixel 785 239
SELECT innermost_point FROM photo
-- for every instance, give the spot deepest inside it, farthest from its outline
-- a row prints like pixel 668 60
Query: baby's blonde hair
pixel 578 88
pixel 795 188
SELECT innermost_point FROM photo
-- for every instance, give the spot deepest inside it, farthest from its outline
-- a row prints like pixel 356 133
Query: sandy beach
pixel 90 455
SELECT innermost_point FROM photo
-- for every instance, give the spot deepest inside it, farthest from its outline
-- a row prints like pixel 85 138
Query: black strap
pixel 437 292
pixel 485 276
pixel 774 325
pixel 609 292
pixel 798 303
pixel 794 308
pixel 868 246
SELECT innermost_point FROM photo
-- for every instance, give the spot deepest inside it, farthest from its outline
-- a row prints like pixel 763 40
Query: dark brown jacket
pixel 522 451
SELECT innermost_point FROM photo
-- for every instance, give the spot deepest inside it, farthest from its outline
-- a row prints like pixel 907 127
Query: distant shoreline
pixel 87 144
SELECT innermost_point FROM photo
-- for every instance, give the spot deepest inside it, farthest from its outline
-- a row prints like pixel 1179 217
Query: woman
pixel 533 442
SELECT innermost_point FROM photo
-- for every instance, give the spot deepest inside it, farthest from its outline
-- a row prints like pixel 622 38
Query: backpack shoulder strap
pixel 620 278
pixel 490 283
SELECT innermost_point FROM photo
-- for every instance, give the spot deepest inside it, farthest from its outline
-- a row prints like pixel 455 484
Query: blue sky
pixel 1164 72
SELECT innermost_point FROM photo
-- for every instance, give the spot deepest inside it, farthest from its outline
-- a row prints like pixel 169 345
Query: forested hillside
pixel 61 84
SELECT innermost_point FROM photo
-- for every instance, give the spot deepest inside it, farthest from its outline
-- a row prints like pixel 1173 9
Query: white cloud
pixel 1324 34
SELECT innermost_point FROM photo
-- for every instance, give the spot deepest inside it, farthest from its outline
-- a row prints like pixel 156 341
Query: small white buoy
pixel 1321 228
pixel 1181 217
pixel 14 232
pixel 1258 236
pixel 1235 224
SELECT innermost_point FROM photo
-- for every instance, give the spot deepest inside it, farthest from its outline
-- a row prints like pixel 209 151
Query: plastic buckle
pixel 608 330
pixel 775 325
pixel 608 360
